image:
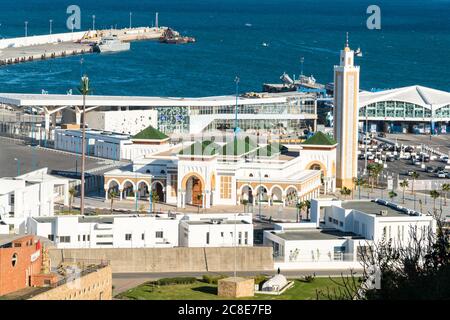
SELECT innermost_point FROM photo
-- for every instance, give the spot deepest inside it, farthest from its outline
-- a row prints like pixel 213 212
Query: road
pixel 125 281
pixel 32 158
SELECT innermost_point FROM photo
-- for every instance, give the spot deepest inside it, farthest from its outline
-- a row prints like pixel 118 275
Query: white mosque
pixel 240 170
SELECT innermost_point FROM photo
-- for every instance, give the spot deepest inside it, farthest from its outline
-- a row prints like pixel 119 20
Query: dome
pixel 275 283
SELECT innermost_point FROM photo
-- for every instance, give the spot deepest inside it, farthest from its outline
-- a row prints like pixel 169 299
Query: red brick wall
pixel 13 278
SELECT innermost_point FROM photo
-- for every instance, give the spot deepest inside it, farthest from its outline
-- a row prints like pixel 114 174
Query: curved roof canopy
pixel 422 96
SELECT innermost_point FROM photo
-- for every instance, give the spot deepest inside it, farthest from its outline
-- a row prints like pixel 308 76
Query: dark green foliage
pixel 213 279
pixel 169 281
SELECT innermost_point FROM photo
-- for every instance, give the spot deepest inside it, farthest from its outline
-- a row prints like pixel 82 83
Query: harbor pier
pixel 27 49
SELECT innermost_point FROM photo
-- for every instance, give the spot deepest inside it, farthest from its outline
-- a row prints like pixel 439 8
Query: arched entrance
pixel 262 194
pixel 247 194
pixel 113 189
pixel 158 190
pixel 143 191
pixel 128 189
pixel 277 195
pixel 194 191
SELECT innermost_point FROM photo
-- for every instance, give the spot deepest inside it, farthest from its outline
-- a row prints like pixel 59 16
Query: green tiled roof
pixel 270 150
pixel 206 148
pixel 150 133
pixel 320 139
pixel 238 147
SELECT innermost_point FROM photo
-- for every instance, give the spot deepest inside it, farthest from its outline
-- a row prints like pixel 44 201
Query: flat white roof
pixel 56 100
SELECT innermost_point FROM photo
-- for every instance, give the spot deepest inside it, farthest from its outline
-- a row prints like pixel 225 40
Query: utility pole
pixel 156 20
pixel 131 13
pixel 84 89
pixel 26 29
pixel 236 128
pixel 93 22
pixel 51 21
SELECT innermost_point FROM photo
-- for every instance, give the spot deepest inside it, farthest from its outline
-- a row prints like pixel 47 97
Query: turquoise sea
pixel 412 47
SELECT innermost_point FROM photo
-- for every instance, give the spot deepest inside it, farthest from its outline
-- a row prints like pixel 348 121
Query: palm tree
pixel 414 176
pixel 155 199
pixel 434 194
pixel 392 194
pixel 346 191
pixel 404 184
pixel 308 207
pixel 112 193
pixel 359 182
pixel 300 206
pixel 72 192
pixel 375 170
pixel 445 190
pixel 199 198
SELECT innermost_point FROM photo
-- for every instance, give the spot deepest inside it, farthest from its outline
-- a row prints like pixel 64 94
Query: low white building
pixel 117 231
pixel 144 231
pixel 30 195
pixel 220 230
pixel 340 230
pixel 109 145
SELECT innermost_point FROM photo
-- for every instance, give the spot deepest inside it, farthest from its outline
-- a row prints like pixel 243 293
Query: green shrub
pixel 213 279
pixel 309 278
pixel 169 281
pixel 259 279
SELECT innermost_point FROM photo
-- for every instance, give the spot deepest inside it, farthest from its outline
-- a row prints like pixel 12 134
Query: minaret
pixel 346 93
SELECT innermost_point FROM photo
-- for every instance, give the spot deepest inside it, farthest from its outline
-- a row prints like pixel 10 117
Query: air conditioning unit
pixel 383 213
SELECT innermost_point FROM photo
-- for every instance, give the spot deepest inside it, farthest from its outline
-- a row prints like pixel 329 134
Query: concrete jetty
pixel 27 49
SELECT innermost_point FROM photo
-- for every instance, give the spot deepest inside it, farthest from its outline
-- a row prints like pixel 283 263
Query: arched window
pixel 250 175
pixel 163 172
pixel 147 171
pixel 266 176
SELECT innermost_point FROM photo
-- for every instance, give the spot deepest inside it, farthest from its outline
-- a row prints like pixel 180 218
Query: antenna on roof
pixel 346 41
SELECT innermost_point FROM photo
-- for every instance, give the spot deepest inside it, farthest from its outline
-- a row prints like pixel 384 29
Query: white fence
pixel 41 39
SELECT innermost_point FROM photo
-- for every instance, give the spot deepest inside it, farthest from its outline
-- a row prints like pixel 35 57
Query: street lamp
pixel 51 21
pixel 18 166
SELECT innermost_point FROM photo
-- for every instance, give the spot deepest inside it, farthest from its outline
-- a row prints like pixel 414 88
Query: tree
pixel 308 207
pixel 112 193
pixel 434 194
pixel 199 198
pixel 392 194
pixel 301 206
pixel 414 270
pixel 375 170
pixel 404 184
pixel 359 182
pixel 445 190
pixel 155 199
pixel 72 192
pixel 346 191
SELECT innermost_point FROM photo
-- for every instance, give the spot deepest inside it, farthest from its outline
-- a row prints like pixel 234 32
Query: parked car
pixel 429 169
pixel 411 172
pixel 442 174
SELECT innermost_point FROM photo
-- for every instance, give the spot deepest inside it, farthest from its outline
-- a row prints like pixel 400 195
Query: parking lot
pixel 35 158
pixel 410 147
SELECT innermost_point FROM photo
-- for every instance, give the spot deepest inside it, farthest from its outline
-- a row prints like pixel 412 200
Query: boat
pixel 248 24
pixel 111 44
pixel 171 37
pixel 264 44
pixel 358 53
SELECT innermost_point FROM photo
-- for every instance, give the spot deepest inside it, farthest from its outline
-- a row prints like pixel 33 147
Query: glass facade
pixel 249 124
pixel 177 119
pixel 394 109
pixel 443 112
pixel 173 119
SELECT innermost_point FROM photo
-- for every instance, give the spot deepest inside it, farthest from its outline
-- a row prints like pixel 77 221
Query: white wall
pixel 127 122
pixel 41 39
